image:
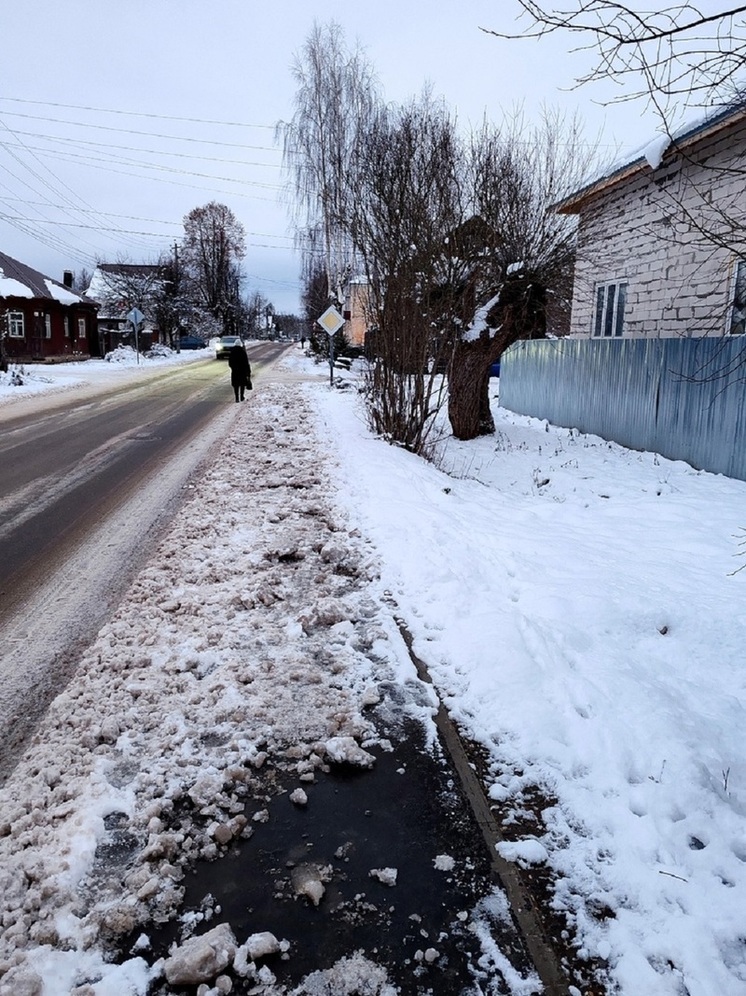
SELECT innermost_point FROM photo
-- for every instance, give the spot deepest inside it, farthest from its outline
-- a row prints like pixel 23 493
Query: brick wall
pixel 653 230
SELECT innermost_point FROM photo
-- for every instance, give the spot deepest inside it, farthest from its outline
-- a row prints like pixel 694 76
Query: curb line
pixel 522 903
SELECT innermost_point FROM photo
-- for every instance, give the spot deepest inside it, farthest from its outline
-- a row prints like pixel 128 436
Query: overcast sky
pixel 117 118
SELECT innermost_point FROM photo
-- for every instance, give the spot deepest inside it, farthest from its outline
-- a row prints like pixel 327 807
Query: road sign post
pixel 331 322
pixel 136 317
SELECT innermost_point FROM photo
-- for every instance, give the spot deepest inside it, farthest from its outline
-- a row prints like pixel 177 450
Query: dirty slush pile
pixel 247 648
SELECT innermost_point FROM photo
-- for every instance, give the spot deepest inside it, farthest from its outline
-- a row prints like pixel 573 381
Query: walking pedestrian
pixel 238 361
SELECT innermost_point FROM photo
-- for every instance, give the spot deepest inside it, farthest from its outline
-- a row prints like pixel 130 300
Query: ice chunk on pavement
pixel 444 862
pixel 371 696
pixel 346 750
pixel 262 944
pixel 205 788
pixel 201 958
pixel 385 875
pixel 351 975
pixel 308 880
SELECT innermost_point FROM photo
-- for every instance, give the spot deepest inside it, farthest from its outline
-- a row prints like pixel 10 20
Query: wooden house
pixel 42 319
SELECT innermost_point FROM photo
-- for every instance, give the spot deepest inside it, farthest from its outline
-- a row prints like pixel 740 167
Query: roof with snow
pixel 19 280
pixel 113 278
pixel 652 153
pixel 131 269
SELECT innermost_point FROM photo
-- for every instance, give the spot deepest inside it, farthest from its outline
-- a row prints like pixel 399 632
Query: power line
pixel 105 214
pixel 59 189
pixel 172 182
pixel 126 231
pixel 52 241
pixel 130 217
pixel 270 280
pixel 137 114
pixel 146 152
pixel 134 131
pixel 49 186
pixel 67 156
pixel 92 228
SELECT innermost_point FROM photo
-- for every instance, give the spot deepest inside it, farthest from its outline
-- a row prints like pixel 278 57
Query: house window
pixel 738 312
pixel 16 325
pixel 610 301
pixel 47 326
pixel 81 328
pixel 66 325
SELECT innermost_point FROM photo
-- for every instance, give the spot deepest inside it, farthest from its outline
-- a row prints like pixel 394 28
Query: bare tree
pixel 124 285
pixel 335 96
pixel 290 325
pixel 315 300
pixel 460 245
pixel 214 244
pixel 679 55
pixel 406 175
pixel 81 281
pixel 172 308
pixel 256 308
pixel 517 256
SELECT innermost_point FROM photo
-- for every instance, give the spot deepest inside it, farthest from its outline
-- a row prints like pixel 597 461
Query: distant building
pixel 117 288
pixel 41 318
pixel 355 311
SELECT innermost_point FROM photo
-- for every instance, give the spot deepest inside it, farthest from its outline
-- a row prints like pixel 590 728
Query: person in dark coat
pixel 238 361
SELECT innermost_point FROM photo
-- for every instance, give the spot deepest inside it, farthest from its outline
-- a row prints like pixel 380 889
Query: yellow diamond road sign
pixel 331 321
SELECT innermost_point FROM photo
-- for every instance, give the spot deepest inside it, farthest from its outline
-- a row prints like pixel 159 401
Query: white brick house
pixel 662 238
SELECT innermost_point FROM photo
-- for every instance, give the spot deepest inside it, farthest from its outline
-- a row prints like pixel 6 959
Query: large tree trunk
pixel 519 314
pixel 468 389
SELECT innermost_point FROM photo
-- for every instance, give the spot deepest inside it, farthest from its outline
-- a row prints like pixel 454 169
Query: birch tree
pixel 335 96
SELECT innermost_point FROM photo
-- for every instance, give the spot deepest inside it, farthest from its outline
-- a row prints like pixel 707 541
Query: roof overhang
pixel 702 130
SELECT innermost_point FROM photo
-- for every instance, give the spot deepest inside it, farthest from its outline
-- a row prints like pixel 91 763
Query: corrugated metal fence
pixel 682 398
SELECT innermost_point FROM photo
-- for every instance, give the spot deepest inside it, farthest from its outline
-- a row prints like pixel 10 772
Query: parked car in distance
pixel 192 342
pixel 224 345
pixel 495 369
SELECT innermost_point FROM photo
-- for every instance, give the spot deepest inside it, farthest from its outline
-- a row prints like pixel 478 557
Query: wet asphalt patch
pixel 406 813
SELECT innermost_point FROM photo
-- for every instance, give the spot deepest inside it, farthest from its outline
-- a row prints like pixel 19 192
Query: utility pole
pixel 174 286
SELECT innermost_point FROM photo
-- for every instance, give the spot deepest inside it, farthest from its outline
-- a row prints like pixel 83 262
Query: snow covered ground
pixel 576 603
pixel 48 380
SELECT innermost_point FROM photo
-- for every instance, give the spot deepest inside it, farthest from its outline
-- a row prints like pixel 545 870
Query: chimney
pixel 67 279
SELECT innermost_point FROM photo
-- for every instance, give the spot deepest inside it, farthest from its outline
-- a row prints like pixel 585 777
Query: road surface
pixel 87 487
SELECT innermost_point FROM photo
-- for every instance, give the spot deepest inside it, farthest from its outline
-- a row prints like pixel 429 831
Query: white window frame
pixel 66 325
pixel 737 310
pixel 16 325
pixel 47 326
pixel 81 328
pixel 609 308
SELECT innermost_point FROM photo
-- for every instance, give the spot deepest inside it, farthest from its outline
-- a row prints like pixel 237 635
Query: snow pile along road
pixel 250 635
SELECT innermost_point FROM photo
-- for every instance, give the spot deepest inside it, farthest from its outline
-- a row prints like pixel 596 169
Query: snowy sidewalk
pixel 249 646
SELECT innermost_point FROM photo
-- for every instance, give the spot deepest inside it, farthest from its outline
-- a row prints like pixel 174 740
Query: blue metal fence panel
pixel 682 398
